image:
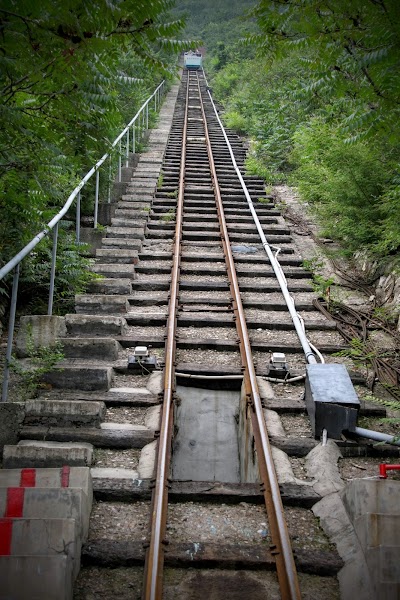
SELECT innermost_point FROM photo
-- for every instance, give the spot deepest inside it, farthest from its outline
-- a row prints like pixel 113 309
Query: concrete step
pixel 122 243
pixel 114 270
pixel 111 286
pixel 119 255
pixel 92 325
pixel 64 413
pixel 51 573
pixel 34 454
pixel 35 503
pixel 127 223
pixel 41 537
pixel 93 349
pixel 133 233
pixel 64 477
pixel 79 376
pixel 101 304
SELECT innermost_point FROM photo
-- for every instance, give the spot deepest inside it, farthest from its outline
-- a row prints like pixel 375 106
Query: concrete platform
pixel 36 577
pixel 30 453
pixel 65 477
pixel 34 503
pixel 41 537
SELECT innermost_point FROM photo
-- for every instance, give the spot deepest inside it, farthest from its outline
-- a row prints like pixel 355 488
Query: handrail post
pixel 133 138
pixel 127 148
pixel 96 200
pixel 53 270
pixel 147 115
pixel 78 218
pixel 119 162
pixel 11 325
pixel 109 179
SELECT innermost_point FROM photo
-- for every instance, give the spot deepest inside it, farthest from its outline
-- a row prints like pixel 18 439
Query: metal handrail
pixel 142 116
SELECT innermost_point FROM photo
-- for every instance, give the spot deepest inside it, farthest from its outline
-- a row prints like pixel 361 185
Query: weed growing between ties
pixel 168 216
pixel 29 372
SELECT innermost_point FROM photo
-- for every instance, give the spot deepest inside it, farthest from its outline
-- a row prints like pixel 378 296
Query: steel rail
pixel 153 575
pixel 281 545
pixel 308 349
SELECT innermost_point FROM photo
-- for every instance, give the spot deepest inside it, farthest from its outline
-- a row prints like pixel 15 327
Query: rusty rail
pixel 281 545
pixel 152 589
pixel 282 548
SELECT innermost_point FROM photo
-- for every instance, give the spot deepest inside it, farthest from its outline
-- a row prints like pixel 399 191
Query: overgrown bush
pixel 344 183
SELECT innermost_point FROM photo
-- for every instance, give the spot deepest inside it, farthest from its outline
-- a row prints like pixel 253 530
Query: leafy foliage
pixel 320 103
pixel 41 360
pixel 72 74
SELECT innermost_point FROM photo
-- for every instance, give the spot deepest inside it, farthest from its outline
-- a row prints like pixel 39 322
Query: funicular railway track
pixel 204 474
pixel 195 130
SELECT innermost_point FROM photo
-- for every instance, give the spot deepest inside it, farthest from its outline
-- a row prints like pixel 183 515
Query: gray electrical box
pixel 331 400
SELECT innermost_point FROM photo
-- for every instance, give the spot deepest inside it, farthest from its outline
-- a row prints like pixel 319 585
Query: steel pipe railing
pixel 134 124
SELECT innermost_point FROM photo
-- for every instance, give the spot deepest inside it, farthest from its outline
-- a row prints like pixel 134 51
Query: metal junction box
pixel 331 400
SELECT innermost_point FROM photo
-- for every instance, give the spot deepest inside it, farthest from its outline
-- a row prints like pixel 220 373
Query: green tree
pixel 72 74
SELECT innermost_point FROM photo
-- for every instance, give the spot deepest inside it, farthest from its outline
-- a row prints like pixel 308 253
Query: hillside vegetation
pixel 72 75
pixel 319 96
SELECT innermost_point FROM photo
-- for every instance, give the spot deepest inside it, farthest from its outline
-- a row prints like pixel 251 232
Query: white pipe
pixel 377 436
pixel 195 376
pixel 310 357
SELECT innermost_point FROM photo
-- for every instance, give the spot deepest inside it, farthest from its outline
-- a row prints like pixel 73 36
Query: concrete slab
pixel 65 477
pixel 155 383
pixel 152 418
pixel 41 330
pixel 101 304
pixel 91 325
pixel 130 232
pixel 283 467
pixel 41 537
pixel 273 423
pixel 26 577
pixel 384 565
pixel 12 416
pixel 34 503
pixel 362 496
pixel 63 413
pixel 80 377
pixel 114 270
pixel 321 465
pixel 111 286
pixel 118 255
pixel 110 473
pixel 377 529
pixel 147 460
pixel 91 348
pixel 354 577
pixel 31 453
pixel 265 389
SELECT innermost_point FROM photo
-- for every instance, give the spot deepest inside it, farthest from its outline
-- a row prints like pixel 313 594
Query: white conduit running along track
pixel 308 348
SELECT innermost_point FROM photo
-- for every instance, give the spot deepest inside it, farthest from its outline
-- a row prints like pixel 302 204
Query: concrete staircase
pixel 44 522
pixel 46 480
